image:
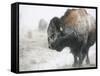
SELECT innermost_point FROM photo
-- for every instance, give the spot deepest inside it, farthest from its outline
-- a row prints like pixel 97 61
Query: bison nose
pixel 49 47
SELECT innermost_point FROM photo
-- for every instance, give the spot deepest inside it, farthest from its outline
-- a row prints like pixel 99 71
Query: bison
pixel 42 25
pixel 76 29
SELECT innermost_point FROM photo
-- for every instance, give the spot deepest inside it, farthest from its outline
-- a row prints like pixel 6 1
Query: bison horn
pixel 61 29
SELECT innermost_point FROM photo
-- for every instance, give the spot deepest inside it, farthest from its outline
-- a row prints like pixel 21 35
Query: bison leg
pixel 75 61
pixel 80 59
pixel 83 54
pixel 87 59
pixel 87 56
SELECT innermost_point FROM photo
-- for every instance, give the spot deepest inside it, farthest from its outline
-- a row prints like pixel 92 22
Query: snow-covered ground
pixel 34 54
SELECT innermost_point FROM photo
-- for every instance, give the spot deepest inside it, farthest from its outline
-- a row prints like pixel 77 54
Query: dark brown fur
pixel 79 33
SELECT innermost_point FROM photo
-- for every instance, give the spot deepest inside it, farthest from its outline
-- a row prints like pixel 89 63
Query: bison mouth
pixel 59 49
pixel 57 45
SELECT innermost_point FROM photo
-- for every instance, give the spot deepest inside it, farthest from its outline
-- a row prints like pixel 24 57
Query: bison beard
pixel 76 29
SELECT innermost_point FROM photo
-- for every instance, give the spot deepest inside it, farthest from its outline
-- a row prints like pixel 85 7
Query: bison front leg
pixel 75 64
pixel 87 59
pixel 80 59
pixel 87 56
pixel 83 54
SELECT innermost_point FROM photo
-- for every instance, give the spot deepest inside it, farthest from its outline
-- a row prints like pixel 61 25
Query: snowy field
pixel 35 54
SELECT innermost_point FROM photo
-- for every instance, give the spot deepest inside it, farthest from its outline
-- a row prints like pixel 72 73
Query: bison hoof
pixel 87 62
pixel 75 65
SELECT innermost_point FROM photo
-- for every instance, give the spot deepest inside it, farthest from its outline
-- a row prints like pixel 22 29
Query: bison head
pixel 64 39
pixel 59 37
pixel 54 31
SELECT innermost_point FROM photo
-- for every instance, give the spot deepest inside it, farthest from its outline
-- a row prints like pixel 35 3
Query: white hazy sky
pixel 29 15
